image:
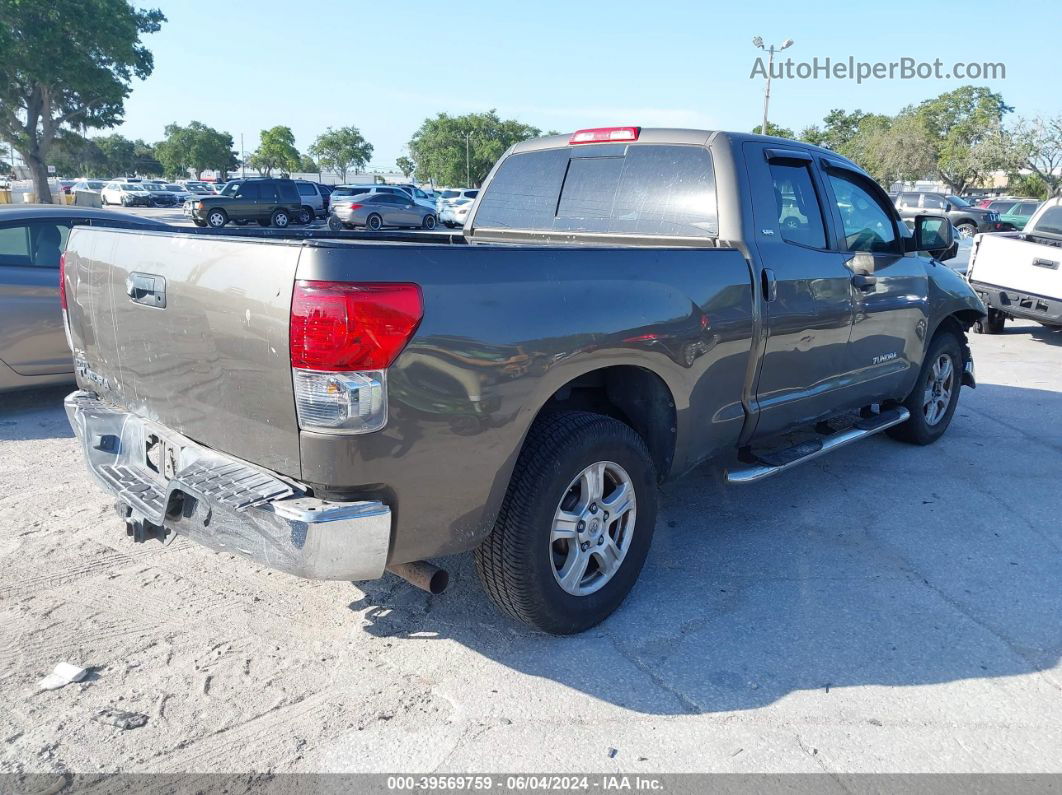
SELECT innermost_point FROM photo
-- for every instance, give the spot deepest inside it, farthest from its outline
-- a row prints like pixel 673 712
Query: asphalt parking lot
pixel 886 608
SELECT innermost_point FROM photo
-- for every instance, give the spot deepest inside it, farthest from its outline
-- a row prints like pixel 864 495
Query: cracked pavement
pixel 884 608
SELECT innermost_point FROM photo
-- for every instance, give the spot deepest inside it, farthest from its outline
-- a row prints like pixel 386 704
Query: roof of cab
pixel 675 135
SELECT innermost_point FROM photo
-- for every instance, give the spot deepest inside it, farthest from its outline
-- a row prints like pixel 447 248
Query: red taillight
pixel 62 280
pixel 355 206
pixel 338 326
pixel 603 135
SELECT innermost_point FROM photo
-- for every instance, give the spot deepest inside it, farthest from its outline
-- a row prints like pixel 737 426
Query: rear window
pixel 641 190
pixel 1050 223
pixel 450 194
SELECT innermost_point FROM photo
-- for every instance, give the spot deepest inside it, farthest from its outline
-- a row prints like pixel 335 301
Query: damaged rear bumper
pixel 165 480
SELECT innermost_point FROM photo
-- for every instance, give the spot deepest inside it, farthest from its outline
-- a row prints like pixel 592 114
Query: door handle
pixel 769 284
pixel 864 281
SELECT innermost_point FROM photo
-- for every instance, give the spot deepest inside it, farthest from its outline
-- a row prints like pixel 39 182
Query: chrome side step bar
pixel 775 462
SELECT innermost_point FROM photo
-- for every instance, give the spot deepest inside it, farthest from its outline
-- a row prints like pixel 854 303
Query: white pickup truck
pixel 1017 274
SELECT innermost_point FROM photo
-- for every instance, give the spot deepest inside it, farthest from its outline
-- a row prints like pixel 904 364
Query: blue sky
pixel 386 66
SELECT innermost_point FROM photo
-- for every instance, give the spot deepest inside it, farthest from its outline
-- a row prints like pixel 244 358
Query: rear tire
pixel 993 324
pixel 528 556
pixel 374 222
pixel 935 395
pixel 280 219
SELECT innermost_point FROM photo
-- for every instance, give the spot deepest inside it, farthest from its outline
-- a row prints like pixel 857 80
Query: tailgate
pixel 1022 266
pixel 190 331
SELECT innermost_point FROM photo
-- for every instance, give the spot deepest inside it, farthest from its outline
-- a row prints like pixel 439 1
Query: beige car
pixel 33 348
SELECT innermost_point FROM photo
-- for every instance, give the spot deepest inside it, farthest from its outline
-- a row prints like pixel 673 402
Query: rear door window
pixel 38 244
pixel 14 246
pixel 799 211
pixel 287 191
pixel 306 189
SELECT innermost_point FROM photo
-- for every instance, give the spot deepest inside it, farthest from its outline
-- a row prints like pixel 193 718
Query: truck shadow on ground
pixel 1046 335
pixel 882 564
pixel 34 414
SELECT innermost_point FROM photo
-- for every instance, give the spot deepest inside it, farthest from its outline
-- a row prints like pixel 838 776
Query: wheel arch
pixel 632 394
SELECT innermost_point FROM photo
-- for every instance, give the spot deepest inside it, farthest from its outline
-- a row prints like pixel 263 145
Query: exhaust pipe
pixel 423 575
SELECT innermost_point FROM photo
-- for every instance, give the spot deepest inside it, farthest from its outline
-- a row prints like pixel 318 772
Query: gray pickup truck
pixel 623 304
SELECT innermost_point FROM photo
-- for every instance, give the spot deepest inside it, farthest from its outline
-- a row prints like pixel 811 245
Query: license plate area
pixel 161 457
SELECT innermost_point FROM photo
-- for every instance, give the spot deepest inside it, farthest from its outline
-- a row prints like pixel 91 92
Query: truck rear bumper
pixel 1018 304
pixel 162 479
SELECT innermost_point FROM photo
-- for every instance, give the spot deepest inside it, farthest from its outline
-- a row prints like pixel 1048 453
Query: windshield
pixel 230 189
pixel 955 201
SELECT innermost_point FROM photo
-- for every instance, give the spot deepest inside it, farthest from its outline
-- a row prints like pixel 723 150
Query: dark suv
pixel 969 220
pixel 270 202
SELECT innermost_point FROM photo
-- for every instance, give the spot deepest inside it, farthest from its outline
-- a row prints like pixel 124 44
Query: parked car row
pixel 969 220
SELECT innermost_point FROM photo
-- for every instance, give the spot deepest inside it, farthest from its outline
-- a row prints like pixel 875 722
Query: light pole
pixel 468 169
pixel 770 62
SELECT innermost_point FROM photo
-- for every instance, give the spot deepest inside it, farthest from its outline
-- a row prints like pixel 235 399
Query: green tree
pixel 67 63
pixel 965 129
pixel 341 150
pixel 276 150
pixel 195 148
pixel 838 128
pixel 145 161
pixel 892 150
pixel 74 155
pixel 119 153
pixel 454 150
pixel 307 165
pixel 1031 185
pixel 775 129
pixel 1036 145
pixel 406 166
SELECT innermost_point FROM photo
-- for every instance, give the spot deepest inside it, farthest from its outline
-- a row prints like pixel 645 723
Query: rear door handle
pixel 769 284
pixel 864 281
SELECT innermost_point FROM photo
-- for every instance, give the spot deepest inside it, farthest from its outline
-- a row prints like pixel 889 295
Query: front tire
pixel 935 395
pixel 575 525
pixel 217 218
pixel 429 222
pixel 967 230
pixel 334 224
pixel 307 215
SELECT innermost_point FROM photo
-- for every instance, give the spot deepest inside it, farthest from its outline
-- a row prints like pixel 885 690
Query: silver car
pixel 377 210
pixel 33 348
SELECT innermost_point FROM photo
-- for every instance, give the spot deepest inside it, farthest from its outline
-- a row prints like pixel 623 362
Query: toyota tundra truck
pixel 622 305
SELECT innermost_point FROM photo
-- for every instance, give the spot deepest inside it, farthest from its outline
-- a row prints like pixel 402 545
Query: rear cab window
pixel 1050 223
pixel 620 189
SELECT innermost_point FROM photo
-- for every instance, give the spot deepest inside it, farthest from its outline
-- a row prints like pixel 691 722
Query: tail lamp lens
pixel 343 338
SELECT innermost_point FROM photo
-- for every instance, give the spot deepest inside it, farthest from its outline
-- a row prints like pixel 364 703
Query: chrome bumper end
pixel 224 503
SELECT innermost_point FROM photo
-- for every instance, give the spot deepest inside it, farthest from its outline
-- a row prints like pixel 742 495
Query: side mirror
pixel 947 207
pixel 931 233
